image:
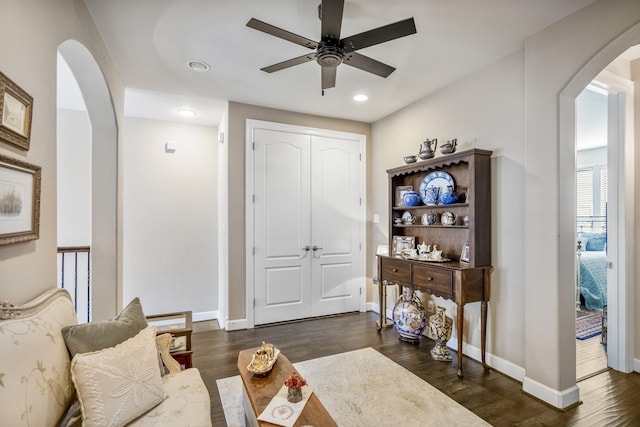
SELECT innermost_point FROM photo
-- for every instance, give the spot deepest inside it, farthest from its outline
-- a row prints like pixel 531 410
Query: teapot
pixel 411 198
pixel 426 149
pixel 449 146
pixel 449 196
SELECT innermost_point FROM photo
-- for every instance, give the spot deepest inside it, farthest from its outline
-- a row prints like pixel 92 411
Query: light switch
pixel 376 218
pixel 170 146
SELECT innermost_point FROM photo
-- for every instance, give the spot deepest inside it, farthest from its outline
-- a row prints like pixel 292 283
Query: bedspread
pixel 593 279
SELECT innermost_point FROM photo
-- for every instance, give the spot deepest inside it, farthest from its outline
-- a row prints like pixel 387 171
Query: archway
pixel 103 176
pixel 621 337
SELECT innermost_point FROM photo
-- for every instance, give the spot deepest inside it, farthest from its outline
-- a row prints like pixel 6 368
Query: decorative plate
pixel 260 365
pixel 437 179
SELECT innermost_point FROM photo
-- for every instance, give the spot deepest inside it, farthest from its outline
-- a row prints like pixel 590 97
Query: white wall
pixel 170 217
pixel 74 178
pixel 484 110
pixel 27 269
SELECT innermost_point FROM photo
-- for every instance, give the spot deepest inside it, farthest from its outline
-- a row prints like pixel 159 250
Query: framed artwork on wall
pixel 15 114
pixel 19 201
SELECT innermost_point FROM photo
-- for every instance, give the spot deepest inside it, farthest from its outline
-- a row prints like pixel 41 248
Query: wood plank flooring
pixel 591 357
pixel 608 399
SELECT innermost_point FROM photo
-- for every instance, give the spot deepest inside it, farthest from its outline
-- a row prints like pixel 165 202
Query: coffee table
pixel 257 392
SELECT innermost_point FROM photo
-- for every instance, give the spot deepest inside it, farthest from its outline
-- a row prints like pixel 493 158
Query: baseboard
pixel 560 399
pixel 499 364
pixel 636 365
pixel 204 315
pixel 235 325
pixel 375 307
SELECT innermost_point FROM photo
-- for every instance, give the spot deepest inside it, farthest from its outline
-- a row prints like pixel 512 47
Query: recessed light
pixel 360 98
pixel 199 66
pixel 184 112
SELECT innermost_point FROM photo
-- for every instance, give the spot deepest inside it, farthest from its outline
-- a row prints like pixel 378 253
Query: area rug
pixel 365 388
pixel 588 324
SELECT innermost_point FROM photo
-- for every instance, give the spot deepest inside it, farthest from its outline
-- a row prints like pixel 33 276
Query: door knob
pixel 306 248
pixel 315 248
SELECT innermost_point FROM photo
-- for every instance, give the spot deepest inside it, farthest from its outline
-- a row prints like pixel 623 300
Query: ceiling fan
pixel 331 50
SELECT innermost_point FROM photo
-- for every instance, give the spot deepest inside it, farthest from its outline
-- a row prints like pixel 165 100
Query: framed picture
pixel 19 201
pixel 464 255
pixel 400 190
pixel 402 245
pixel 15 114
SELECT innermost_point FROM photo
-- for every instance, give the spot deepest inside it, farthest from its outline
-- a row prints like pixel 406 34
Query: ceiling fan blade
pixel 289 63
pixel 331 17
pixel 328 77
pixel 379 35
pixel 365 63
pixel 256 24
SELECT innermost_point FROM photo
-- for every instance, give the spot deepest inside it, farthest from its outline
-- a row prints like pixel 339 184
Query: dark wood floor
pixel 609 399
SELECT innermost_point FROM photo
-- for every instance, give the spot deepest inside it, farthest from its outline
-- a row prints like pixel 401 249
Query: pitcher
pixel 428 148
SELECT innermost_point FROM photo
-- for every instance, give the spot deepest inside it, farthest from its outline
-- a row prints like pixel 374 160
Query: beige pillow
pixel 95 336
pixel 118 384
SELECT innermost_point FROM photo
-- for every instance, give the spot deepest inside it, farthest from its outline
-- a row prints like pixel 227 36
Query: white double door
pixel 308 225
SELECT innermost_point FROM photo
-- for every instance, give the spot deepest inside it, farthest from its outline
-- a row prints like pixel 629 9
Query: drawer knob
pixel 430 279
pixel 395 270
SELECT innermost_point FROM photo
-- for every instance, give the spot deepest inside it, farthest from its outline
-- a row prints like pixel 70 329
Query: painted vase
pixel 409 316
pixel 294 395
pixel 431 195
pixel 411 198
pixel 441 326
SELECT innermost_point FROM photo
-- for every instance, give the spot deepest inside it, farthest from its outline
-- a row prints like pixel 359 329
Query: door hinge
pixel 360 156
pixel 253 198
pixel 360 291
pixel 253 145
pixel 360 245
pixel 610 265
pixel 253 250
pixel 360 201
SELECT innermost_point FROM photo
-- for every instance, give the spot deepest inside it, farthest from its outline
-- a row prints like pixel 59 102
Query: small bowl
pixel 410 159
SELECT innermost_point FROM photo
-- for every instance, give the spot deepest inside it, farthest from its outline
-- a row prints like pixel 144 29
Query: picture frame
pixel 402 245
pixel 464 255
pixel 20 184
pixel 400 190
pixel 16 107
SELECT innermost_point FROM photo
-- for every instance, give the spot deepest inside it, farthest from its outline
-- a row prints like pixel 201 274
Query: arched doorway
pixel 104 175
pixel 621 331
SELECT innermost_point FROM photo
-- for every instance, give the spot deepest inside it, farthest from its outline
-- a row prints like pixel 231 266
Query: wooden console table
pixel 258 391
pixel 450 280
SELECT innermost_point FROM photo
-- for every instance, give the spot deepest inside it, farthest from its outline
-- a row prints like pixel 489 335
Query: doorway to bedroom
pixel 592 143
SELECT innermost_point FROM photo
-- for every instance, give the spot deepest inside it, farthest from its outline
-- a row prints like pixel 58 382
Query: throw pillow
pixel 596 244
pixel 94 336
pixel 118 384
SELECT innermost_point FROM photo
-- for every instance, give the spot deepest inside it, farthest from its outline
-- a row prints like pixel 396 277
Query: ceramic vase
pixel 409 316
pixel 431 195
pixel 441 326
pixel 294 395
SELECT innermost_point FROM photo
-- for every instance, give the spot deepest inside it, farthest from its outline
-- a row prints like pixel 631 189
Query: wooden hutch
pixel 460 282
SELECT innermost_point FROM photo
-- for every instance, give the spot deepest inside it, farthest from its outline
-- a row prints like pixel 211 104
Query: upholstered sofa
pixel 40 384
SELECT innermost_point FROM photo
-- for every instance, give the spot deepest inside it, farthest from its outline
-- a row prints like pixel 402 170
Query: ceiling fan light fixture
pixel 185 112
pixel 361 97
pixel 199 66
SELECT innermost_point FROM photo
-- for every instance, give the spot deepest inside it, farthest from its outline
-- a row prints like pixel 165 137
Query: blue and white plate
pixel 438 179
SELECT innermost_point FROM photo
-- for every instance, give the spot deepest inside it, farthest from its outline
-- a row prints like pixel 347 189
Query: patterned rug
pixel 588 324
pixel 365 389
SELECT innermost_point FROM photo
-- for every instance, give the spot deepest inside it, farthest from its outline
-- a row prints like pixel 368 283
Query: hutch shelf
pixel 460 282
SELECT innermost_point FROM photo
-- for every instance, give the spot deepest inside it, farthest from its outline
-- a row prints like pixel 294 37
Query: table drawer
pixel 436 280
pixel 396 271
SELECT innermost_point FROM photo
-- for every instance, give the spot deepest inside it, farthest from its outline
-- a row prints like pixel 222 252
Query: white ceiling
pixel 151 42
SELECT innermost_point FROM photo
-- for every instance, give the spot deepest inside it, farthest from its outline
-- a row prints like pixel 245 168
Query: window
pixel 591 198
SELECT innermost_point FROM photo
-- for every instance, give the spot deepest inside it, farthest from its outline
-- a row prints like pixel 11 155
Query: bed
pixel 592 274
